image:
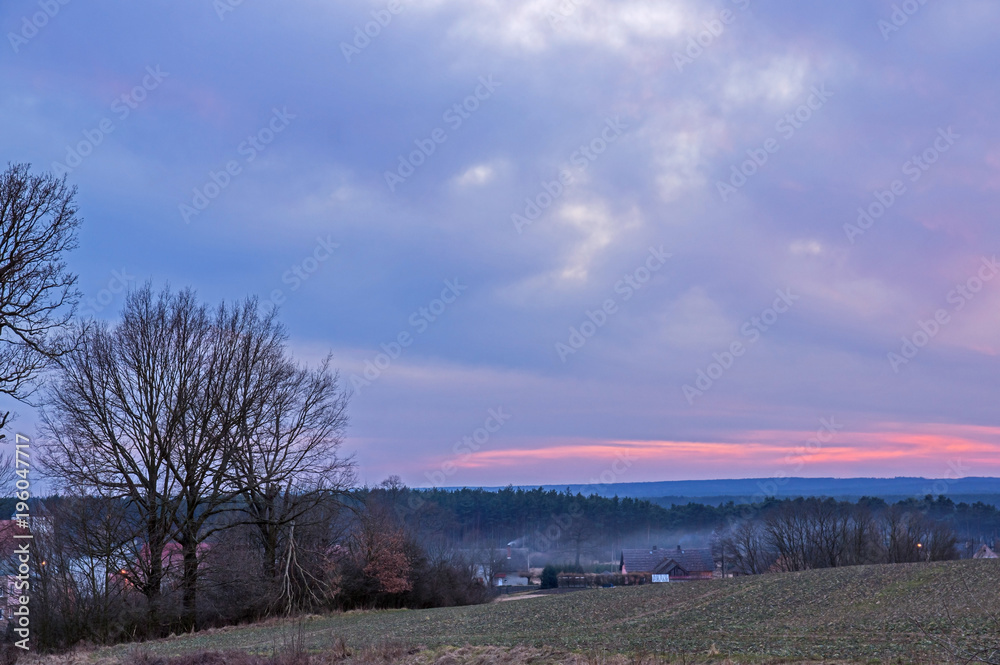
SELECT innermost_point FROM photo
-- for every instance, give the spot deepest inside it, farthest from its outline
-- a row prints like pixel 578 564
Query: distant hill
pixel 745 490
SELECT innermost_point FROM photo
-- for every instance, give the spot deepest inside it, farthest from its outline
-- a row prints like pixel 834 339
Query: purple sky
pixel 613 240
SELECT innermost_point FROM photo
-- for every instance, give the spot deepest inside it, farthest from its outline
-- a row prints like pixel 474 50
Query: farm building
pixel 501 566
pixel 510 579
pixel 985 552
pixel 669 565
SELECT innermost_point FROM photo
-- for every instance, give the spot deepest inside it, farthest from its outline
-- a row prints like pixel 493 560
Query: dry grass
pixel 397 654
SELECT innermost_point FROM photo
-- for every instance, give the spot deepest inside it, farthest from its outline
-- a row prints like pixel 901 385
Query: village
pixel 655 565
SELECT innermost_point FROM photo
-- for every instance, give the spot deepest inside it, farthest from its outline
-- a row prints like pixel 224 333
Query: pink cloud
pixel 888 449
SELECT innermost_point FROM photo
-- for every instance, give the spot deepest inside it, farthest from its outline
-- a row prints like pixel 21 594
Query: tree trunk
pixel 152 587
pixel 189 585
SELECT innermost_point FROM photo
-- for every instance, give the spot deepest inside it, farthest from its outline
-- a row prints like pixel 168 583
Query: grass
pixel 864 614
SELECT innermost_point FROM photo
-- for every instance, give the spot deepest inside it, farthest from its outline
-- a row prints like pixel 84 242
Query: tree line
pixel 180 412
pixel 571 528
pixel 199 463
pixel 338 555
pixel 806 533
pixel 207 484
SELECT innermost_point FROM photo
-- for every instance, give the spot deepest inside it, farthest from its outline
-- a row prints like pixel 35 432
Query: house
pixel 511 579
pixel 500 566
pixel 519 578
pixel 668 565
pixel 985 552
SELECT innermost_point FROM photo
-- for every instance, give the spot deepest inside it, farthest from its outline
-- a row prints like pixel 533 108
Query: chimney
pixel 679 549
pixel 508 551
pixel 654 548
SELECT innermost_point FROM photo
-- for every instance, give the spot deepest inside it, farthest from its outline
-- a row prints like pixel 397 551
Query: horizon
pixel 580 488
pixel 935 489
pixel 724 480
pixel 617 243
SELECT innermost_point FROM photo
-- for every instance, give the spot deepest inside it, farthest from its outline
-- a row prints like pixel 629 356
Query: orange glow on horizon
pixel 780 451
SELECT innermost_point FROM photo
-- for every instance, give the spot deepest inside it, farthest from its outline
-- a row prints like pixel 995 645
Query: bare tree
pixel 827 524
pixel 113 415
pixel 287 457
pixel 8 477
pixel 234 353
pixel 746 544
pixel 787 533
pixel 38 224
pixel 862 539
pixel 489 561
pixel 901 536
pixel 941 541
pixel 581 532
pixel 184 411
pixel 87 551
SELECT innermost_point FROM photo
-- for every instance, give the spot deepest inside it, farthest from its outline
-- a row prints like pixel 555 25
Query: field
pixel 866 614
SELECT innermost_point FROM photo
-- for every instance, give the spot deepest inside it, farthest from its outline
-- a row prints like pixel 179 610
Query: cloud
pixel 479 174
pixel 806 247
pixel 562 80
pixel 530 26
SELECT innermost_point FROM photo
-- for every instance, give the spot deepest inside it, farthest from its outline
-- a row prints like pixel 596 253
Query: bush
pixel 550 577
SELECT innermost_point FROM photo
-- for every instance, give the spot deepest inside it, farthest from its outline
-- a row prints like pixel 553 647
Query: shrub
pixel 550 577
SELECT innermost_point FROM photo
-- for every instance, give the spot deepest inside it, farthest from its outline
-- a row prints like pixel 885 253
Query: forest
pixel 567 527
pixel 393 546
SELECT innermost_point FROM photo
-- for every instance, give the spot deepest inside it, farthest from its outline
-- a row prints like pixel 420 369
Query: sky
pixel 557 241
